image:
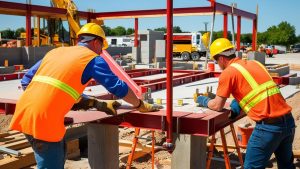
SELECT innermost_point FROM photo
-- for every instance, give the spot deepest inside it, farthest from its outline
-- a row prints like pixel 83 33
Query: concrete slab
pixel 288 91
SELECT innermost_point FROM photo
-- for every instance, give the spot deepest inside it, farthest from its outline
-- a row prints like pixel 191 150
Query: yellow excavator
pixel 53 38
pixel 72 17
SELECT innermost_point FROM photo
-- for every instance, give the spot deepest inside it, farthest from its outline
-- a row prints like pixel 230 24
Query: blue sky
pixel 271 12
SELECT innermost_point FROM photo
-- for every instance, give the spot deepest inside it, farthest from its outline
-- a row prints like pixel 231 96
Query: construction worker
pixel 259 97
pixel 55 83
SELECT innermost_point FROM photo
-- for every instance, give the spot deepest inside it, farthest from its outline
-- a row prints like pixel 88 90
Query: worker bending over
pixel 55 83
pixel 258 96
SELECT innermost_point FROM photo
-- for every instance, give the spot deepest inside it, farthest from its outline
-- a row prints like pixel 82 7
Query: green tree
pixel 246 38
pixel 8 34
pixel 162 29
pixel 129 31
pixel 177 29
pixel 19 31
pixel 107 30
pixel 298 39
pixel 119 31
pixel 262 38
pixel 283 34
pixel 219 34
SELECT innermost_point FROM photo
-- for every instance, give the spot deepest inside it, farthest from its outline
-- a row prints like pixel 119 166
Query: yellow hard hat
pixel 93 29
pixel 218 46
pixel 205 39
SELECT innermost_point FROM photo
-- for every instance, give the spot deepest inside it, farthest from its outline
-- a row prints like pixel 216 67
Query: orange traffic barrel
pixel 243 135
pixel 5 63
pixel 211 66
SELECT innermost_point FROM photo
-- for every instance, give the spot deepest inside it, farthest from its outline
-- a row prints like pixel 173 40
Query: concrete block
pixel 160 64
pixel 160 51
pixel 259 56
pixel 294 80
pixel 281 70
pixel 7 70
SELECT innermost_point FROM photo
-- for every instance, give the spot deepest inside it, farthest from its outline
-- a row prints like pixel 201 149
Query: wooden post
pixel 103 146
pixel 190 152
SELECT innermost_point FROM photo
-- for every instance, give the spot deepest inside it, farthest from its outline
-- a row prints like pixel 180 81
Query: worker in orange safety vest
pixel 54 85
pixel 259 97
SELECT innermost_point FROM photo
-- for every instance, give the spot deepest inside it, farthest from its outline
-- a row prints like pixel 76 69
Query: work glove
pixel 211 95
pixel 84 103
pixel 235 109
pixel 202 101
pixel 146 107
pixel 107 106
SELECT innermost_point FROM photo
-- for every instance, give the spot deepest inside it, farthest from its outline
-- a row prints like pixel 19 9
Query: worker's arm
pixel 29 75
pixel 217 103
pixel 101 72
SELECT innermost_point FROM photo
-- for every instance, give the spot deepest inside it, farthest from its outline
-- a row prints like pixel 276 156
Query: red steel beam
pixel 28 25
pixel 154 13
pixel 118 70
pixel 169 64
pixel 238 34
pixel 13 8
pixel 225 25
pixel 136 30
pixel 201 124
pixel 254 33
pixel 228 9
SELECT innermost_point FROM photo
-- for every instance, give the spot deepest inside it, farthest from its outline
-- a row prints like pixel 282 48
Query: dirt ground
pixel 163 158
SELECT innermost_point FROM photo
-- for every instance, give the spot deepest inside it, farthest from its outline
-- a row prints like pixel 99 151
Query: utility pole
pixel 205 24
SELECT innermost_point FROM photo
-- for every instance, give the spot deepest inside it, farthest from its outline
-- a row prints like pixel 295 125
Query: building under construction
pixel 189 132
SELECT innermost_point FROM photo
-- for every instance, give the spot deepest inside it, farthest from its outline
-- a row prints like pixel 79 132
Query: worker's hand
pixel 84 103
pixel 235 109
pixel 146 107
pixel 202 101
pixel 107 106
pixel 211 95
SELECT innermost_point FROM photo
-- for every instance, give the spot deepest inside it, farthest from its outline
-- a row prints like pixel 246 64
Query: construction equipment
pixel 208 93
pixel 225 150
pixel 189 46
pixel 134 144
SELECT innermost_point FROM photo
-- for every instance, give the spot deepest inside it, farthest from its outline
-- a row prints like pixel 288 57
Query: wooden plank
pixel 296 153
pixel 73 150
pixel 9 133
pixel 295 66
pixel 17 145
pixel 25 160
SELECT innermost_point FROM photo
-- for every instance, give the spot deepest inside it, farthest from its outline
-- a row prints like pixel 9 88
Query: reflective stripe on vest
pixel 258 92
pixel 58 84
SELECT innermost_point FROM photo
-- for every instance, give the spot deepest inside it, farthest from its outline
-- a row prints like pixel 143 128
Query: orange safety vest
pixel 54 89
pixel 259 97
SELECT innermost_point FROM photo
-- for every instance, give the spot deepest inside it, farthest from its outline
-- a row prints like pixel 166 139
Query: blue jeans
pixel 271 138
pixel 48 155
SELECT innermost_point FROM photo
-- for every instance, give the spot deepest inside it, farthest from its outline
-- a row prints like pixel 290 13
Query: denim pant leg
pixel 48 155
pixel 284 153
pixel 269 138
pixel 259 149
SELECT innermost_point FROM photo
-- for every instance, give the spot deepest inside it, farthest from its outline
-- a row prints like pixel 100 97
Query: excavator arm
pixel 72 16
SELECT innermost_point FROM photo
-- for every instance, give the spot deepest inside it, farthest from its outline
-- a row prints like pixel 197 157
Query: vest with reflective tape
pixel 263 99
pixel 52 92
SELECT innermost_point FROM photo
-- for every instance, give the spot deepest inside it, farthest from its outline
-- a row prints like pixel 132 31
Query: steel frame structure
pixel 29 10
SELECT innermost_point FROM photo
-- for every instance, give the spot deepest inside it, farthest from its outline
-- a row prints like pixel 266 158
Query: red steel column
pixel 254 31
pixel 169 63
pixel 238 34
pixel 225 25
pixel 28 25
pixel 136 32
